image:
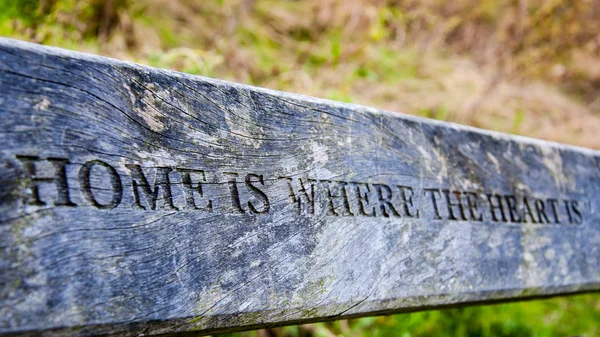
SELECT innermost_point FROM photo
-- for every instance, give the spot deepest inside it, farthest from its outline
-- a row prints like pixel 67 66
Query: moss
pixel 308 313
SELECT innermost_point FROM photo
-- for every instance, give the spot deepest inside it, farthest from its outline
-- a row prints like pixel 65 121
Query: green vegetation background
pixel 528 67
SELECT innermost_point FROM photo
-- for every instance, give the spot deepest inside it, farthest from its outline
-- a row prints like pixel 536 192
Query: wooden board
pixel 136 200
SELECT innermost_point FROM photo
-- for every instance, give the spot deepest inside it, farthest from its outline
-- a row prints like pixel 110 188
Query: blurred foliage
pixel 571 316
pixel 530 67
pixel 526 37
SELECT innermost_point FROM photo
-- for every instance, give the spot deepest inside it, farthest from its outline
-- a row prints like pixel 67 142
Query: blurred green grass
pixel 565 316
pixel 530 68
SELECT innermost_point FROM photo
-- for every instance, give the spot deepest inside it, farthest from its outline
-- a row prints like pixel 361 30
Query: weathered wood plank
pixel 136 201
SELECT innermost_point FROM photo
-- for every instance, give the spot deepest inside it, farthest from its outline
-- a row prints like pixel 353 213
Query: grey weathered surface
pixel 247 248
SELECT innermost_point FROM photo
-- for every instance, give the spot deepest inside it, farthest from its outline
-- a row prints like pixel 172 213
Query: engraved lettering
pixel 189 189
pixel 235 193
pixel 540 206
pixel 527 211
pixel 472 200
pixel 258 193
pixel 568 208
pixel 384 193
pixel 406 201
pixel 161 182
pixel 86 185
pixel 577 216
pixel 331 196
pixel 101 186
pixel 432 192
pixel 512 208
pixel 363 199
pixel 554 205
pixel 297 197
pixel 347 209
pixel 496 206
pixel 59 179
pixel 450 204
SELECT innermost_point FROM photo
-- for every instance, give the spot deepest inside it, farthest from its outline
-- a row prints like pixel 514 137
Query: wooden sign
pixel 139 201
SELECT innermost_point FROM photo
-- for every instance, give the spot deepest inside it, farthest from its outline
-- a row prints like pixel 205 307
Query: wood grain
pixel 139 201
